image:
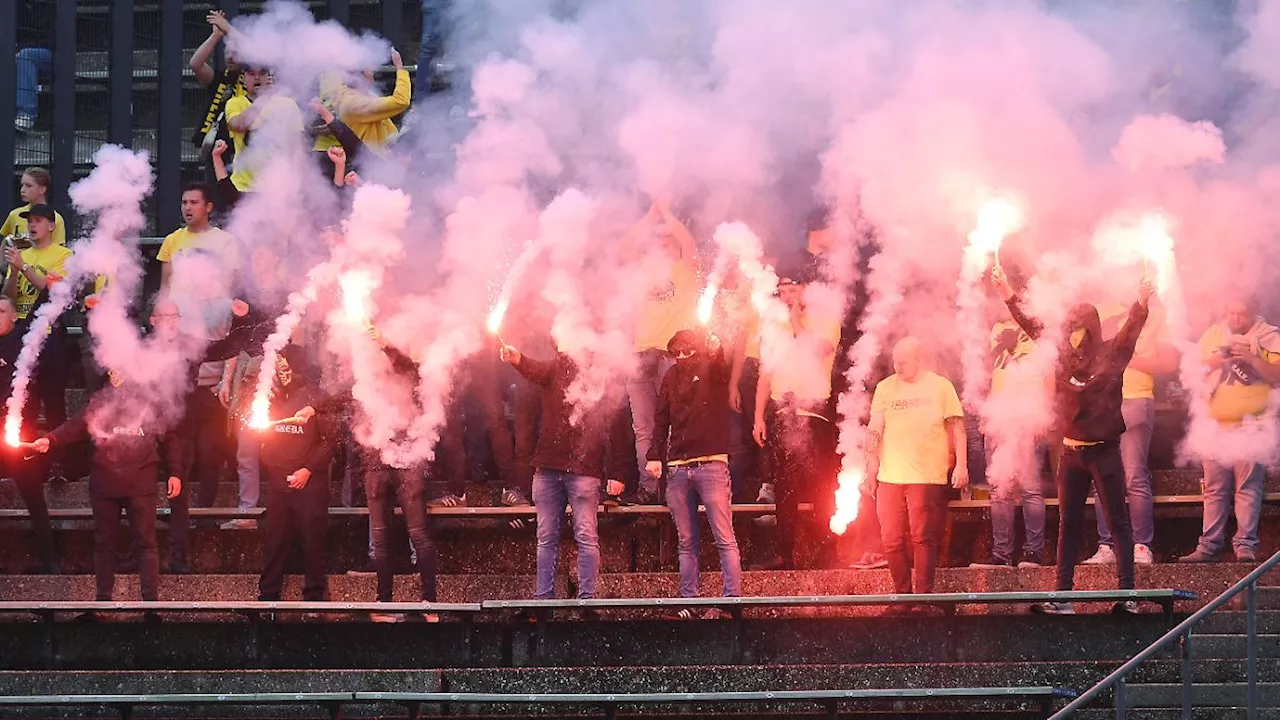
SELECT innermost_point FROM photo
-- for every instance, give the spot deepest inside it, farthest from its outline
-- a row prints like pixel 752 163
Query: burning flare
pixel 1157 249
pixel 847 496
pixel 997 218
pixel 495 317
pixel 258 419
pixel 707 303
pixel 357 295
pixel 12 435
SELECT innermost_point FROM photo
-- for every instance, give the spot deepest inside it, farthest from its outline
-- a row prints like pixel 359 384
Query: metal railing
pixel 1182 633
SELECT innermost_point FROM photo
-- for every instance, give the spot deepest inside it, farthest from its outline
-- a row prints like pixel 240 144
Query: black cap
pixel 682 342
pixel 40 210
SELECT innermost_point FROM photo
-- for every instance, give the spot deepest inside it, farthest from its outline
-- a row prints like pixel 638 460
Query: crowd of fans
pixel 700 422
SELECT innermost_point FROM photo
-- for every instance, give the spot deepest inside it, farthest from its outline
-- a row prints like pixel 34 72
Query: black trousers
pixel 141 512
pixel 28 475
pixel 1078 468
pixel 800 454
pixel 911 518
pixel 50 392
pixel 292 518
pixel 383 486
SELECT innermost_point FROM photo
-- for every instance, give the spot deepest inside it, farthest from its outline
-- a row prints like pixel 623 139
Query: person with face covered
pixel 296 451
pixel 1242 356
pixel 1088 398
pixel 132 441
pixel 691 442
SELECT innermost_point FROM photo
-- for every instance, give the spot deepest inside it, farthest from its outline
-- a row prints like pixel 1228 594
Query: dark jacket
pixel 130 443
pixel 691 418
pixel 10 346
pixel 589 448
pixel 1088 380
pixel 288 448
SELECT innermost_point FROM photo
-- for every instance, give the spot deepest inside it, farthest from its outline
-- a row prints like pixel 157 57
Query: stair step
pixel 1230 647
pixel 1207 695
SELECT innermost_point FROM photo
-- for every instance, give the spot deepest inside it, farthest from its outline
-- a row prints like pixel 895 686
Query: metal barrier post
pixel 1187 703
pixel 1252 643
pixel 1120 698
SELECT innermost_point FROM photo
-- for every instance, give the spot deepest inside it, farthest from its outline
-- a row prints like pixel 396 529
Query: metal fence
pixel 116 71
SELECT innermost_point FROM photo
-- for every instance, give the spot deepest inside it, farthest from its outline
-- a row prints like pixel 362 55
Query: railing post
pixel 1187 704
pixel 1252 644
pixel 1120 699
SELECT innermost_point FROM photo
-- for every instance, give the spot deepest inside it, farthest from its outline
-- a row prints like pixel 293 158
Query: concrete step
pixel 482 586
pixel 1233 646
pixel 1201 713
pixel 1152 695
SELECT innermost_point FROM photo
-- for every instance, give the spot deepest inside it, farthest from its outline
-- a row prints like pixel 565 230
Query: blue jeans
pixel 708 483
pixel 642 393
pixel 1135 450
pixel 32 63
pixel 248 470
pixel 1024 480
pixel 1241 486
pixel 552 491
pixel 431 47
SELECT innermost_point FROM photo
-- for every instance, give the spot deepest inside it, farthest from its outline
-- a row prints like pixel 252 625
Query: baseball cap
pixel 40 210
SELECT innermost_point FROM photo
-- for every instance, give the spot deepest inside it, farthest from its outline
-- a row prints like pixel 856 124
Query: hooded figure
pixel 1088 395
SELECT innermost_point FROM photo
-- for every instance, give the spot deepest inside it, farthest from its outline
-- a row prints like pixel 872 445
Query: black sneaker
pixel 992 561
pixel 641 497
pixel 448 501
pixel 613 501
pixel 1034 560
pixel 775 563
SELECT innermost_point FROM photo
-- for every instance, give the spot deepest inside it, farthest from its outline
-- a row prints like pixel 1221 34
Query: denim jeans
pixel 248 469
pixel 1239 485
pixel 911 518
pixel 1100 466
pixel 431 47
pixel 32 63
pixel 642 393
pixel 1024 480
pixel 707 483
pixel 383 486
pixel 552 491
pixel 1135 451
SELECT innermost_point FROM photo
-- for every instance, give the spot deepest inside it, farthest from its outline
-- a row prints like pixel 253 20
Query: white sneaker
pixel 766 496
pixel 1104 556
pixel 1125 607
pixel 1053 608
pixel 1142 555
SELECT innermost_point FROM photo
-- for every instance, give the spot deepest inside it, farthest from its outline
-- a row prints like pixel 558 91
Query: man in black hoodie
pixel 296 452
pixel 28 476
pixel 129 437
pixel 1087 413
pixel 691 439
pixel 571 458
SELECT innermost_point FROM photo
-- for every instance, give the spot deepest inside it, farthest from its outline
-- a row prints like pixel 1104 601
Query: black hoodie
pixel 691 419
pixel 289 448
pixel 128 440
pixel 591 448
pixel 1089 380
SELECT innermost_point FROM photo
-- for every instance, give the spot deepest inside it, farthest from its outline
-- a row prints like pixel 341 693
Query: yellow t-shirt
pixel 15 224
pixel 277 109
pixel 1241 393
pixel 49 259
pixel 1013 344
pixel 797 368
pixel 914 449
pixel 670 307
pixel 1137 385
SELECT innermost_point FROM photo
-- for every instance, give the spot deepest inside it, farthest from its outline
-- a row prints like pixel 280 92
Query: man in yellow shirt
pixel 368 114
pixel 1242 354
pixel 34 190
pixel 252 111
pixel 198 264
pixel 662 248
pixel 916 426
pixel 792 423
pixel 31 272
pixel 1153 356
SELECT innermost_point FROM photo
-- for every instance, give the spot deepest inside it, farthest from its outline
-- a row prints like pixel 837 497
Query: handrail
pixel 1183 629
